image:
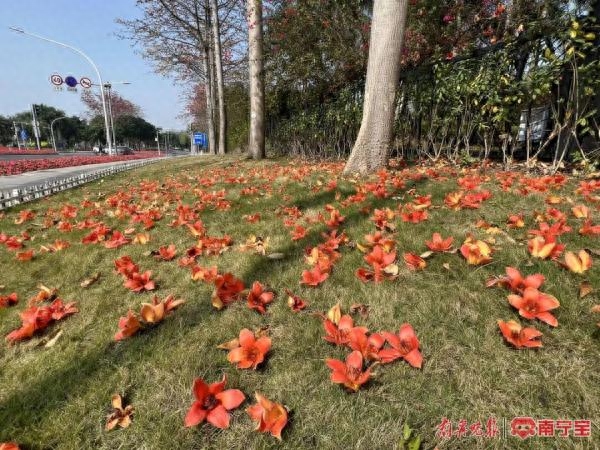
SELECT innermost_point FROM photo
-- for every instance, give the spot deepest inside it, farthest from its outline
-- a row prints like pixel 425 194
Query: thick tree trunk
pixel 213 100
pixel 210 119
pixel 372 145
pixel 256 142
pixel 216 31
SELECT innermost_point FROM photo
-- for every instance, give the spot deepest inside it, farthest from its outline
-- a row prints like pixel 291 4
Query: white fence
pixel 14 197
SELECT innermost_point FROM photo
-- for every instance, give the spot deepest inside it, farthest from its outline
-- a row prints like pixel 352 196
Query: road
pixel 9 182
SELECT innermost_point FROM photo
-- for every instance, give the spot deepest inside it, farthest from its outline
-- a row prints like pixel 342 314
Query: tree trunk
pixel 216 31
pixel 210 119
pixel 372 145
pixel 213 100
pixel 256 142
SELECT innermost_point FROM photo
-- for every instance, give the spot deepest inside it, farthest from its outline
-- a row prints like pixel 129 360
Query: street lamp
pixel 108 87
pixel 52 132
pixel 76 50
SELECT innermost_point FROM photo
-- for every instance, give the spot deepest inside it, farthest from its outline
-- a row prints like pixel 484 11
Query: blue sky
pixel 27 62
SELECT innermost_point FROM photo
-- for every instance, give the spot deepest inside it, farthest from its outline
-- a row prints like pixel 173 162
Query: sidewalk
pixel 28 179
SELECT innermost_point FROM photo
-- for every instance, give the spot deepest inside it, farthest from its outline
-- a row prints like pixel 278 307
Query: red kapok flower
pixel 258 298
pixel 271 417
pixel 314 277
pixel 349 373
pixel 518 336
pixel 139 282
pixel 128 326
pixel 405 345
pixel 534 304
pixel 213 403
pixel 251 351
pixel 438 244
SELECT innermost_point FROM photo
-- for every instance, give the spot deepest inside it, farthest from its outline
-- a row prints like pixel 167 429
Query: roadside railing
pixel 12 197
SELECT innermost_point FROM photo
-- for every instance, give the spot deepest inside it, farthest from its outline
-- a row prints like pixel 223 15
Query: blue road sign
pixel 71 81
pixel 23 134
pixel 200 139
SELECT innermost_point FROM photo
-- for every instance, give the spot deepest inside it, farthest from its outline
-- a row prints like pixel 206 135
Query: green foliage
pixel 315 60
pixel 134 129
pixel 410 440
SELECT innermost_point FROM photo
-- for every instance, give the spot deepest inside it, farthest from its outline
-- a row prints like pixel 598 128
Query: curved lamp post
pixel 88 59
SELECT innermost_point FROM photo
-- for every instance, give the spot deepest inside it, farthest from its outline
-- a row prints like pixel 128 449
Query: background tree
pixel 134 130
pixel 119 105
pixel 177 37
pixel 256 142
pixel 372 146
pixel 6 131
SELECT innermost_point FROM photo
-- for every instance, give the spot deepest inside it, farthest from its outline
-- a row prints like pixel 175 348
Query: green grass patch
pixel 59 397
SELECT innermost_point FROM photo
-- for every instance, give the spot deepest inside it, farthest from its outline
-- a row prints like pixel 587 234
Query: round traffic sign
pixel 56 79
pixel 85 82
pixel 71 81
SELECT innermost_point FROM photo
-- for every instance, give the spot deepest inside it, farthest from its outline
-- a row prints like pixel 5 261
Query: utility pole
pixel 17 135
pixel 36 127
pixel 158 140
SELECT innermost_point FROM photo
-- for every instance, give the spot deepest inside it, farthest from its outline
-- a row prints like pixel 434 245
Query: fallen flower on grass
pixel 228 289
pixel 258 298
pixel 206 274
pixel 128 326
pixel 272 417
pixel 404 345
pixel 518 336
pixel 314 277
pixel 117 240
pixel 156 311
pixel 120 416
pixel 213 403
pixel 294 302
pixel 544 247
pixel 414 262
pixel 338 332
pixel 251 351
pixel 125 266
pixel 579 263
pixel 9 300
pixel 141 238
pixel 476 252
pixel 438 244
pixel 581 211
pixel 166 253
pixel 138 282
pixel 515 281
pixel 350 372
pixel 368 346
pixel 9 446
pixel 25 256
pixel 534 304
pixel 38 318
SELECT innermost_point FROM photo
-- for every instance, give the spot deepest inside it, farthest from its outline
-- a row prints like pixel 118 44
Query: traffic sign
pixel 71 81
pixel 85 83
pixel 23 134
pixel 56 79
pixel 200 139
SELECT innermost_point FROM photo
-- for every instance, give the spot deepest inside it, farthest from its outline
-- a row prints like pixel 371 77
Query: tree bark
pixel 210 119
pixel 256 142
pixel 216 31
pixel 371 149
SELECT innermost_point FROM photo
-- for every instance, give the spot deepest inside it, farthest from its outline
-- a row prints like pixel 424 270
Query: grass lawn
pixel 59 396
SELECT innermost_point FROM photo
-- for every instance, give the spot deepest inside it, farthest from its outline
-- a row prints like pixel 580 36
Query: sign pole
pixel 36 128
